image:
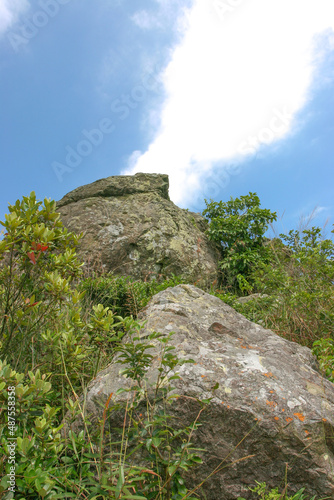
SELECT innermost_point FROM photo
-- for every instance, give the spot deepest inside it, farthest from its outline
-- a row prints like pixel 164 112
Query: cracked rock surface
pixel 131 227
pixel 272 405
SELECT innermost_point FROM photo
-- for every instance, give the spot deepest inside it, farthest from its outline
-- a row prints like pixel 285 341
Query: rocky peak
pixel 119 185
pixel 132 228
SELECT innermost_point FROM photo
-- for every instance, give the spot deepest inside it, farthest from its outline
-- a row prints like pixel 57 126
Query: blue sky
pixel 226 97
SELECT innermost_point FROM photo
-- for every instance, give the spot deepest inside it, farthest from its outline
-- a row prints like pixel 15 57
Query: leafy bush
pixel 38 266
pixel 39 444
pixel 41 311
pixel 239 226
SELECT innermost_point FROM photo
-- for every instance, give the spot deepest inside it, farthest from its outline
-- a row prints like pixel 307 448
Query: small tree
pixel 239 226
pixel 38 264
pixel 41 321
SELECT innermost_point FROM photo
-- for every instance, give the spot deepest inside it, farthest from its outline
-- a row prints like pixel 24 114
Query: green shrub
pixel 38 266
pixel 38 437
pixel 239 226
pixel 299 280
pixel 42 323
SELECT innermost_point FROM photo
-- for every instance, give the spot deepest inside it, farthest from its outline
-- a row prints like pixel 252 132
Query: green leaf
pixel 149 444
pixel 120 481
pixel 4 482
pixel 156 441
pixel 134 497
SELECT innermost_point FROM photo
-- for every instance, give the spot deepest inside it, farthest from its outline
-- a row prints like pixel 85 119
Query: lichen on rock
pixel 132 227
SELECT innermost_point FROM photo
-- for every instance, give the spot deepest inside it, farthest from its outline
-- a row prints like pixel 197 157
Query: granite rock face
pixel 131 227
pixel 271 405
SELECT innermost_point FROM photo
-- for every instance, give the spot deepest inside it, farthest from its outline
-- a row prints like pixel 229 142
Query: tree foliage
pixel 238 226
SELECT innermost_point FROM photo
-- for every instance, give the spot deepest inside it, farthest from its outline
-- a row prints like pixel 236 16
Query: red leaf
pixel 44 248
pixel 31 256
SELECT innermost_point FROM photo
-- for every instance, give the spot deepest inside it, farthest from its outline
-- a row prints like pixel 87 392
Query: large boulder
pixel 132 228
pixel 272 405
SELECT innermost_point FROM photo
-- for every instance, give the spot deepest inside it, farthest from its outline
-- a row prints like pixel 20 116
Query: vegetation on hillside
pixel 58 328
pixel 293 275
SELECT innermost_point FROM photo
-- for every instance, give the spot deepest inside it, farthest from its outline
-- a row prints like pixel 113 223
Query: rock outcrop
pixel 271 405
pixel 131 227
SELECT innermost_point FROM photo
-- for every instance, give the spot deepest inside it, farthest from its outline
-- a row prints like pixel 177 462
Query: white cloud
pixel 10 11
pixel 228 83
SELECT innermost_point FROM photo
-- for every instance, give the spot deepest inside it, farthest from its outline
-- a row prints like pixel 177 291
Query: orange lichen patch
pixel 228 406
pixel 306 432
pixel 276 418
pixel 243 347
pixel 203 376
pixel 269 374
pixel 271 392
pixel 271 403
pixel 289 419
pixel 283 409
pixel 300 416
pixel 324 419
